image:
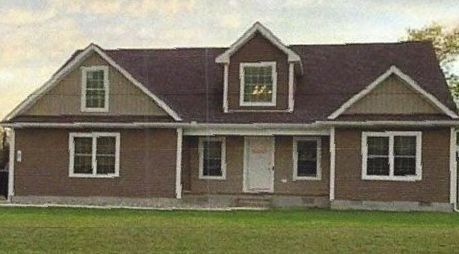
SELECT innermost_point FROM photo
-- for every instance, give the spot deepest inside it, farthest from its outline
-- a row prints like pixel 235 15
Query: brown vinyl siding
pixel 393 96
pixel 258 49
pixel 147 165
pixel 234 171
pixel 124 97
pixel 284 170
pixel 234 168
pixel 434 186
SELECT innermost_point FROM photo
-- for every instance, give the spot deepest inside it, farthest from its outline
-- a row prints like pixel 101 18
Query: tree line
pixel 446 45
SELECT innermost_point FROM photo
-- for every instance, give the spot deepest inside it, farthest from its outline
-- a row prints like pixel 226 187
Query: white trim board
pixel 258 111
pixel 408 80
pixel 454 149
pixel 321 126
pixel 12 160
pixel 258 27
pixel 225 88
pixel 254 132
pixel 37 94
pixel 178 164
pixel 291 87
pixel 427 123
pixel 332 163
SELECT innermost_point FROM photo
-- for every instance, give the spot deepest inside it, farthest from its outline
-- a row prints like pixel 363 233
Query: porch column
pixel 332 163
pixel 178 165
pixel 453 168
pixel 12 141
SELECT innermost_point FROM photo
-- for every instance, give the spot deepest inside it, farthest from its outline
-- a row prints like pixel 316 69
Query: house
pixel 368 126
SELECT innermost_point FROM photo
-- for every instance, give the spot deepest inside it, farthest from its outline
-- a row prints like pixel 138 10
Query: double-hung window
pixel 258 84
pixel 94 154
pixel 391 156
pixel 212 158
pixel 95 89
pixel 306 158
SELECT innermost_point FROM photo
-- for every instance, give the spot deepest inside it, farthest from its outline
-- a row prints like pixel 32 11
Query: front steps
pixel 262 201
pixel 254 201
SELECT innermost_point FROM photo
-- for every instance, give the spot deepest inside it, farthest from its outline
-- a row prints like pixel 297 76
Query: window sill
pixel 94 110
pixel 212 178
pixel 257 104
pixel 92 176
pixel 395 179
pixel 307 178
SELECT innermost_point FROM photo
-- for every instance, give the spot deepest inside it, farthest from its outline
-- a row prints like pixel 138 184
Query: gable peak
pixel 257 27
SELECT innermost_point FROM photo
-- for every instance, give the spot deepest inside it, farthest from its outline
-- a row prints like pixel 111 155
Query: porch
pixel 257 171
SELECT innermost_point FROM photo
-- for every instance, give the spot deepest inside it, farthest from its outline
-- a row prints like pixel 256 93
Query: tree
pixel 446 45
pixel 4 149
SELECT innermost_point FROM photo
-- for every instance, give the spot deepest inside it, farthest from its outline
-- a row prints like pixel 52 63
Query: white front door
pixel 259 164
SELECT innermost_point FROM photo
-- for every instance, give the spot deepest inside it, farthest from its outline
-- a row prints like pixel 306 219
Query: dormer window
pixel 258 84
pixel 94 96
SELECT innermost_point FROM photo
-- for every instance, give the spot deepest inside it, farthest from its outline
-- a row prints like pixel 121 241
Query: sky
pixel 37 36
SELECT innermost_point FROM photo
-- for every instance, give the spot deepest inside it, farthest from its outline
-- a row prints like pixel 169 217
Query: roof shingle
pixel 191 83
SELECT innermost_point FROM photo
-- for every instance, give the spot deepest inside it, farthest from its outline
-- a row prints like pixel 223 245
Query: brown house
pixel 258 123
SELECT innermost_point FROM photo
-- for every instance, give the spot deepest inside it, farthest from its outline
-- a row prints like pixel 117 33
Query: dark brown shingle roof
pixel 191 83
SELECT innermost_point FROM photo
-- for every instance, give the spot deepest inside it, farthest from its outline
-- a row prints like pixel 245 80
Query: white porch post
pixel 12 144
pixel 178 167
pixel 332 163
pixel 453 168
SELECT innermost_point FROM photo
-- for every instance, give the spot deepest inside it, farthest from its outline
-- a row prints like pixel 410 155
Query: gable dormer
pixel 259 73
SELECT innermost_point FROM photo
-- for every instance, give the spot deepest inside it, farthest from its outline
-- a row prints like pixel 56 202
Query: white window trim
pixel 242 83
pixel 94 135
pixel 84 72
pixel 318 156
pixel 201 158
pixel 391 176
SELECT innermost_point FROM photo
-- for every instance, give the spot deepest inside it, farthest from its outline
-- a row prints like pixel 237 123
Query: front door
pixel 259 164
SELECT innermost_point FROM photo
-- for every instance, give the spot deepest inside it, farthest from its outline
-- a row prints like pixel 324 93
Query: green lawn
pixel 57 230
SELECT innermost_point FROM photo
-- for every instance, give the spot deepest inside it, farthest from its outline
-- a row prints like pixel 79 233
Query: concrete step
pixel 254 202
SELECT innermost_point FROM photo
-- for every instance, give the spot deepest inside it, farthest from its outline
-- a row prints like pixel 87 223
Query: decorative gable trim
pixel 257 27
pixel 413 84
pixel 37 94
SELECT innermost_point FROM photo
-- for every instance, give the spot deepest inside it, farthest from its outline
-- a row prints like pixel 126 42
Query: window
pixel 94 89
pixel 94 154
pixel 212 161
pixel 306 158
pixel 258 84
pixel 391 155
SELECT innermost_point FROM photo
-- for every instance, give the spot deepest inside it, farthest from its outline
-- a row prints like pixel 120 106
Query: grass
pixel 58 230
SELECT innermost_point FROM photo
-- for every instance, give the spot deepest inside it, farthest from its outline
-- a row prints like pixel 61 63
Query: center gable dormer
pixel 259 73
